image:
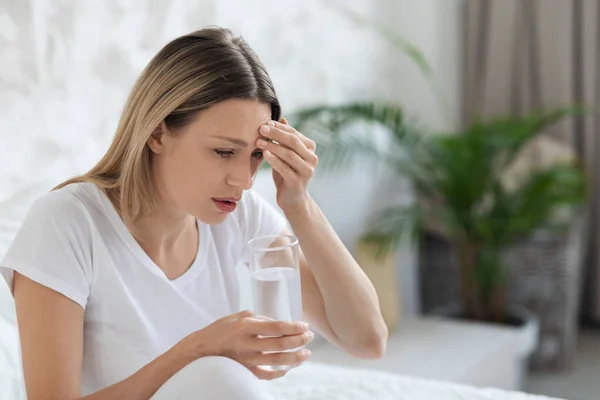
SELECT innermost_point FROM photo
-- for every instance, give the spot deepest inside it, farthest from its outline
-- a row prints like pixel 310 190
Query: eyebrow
pixel 232 140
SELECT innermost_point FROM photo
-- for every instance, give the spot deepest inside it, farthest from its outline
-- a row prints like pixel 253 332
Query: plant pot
pixel 383 275
pixel 546 273
pixel 526 330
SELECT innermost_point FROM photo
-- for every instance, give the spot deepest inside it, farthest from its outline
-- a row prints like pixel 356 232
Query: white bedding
pixel 316 381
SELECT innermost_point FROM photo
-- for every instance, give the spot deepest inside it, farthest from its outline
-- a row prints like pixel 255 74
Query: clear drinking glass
pixel 275 276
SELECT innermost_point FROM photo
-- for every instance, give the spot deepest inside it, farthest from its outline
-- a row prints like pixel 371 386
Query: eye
pixel 223 153
pixel 258 155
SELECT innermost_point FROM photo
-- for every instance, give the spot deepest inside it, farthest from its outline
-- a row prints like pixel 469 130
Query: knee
pixel 219 377
pixel 219 368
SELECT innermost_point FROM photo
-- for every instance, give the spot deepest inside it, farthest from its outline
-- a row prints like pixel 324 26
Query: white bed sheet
pixel 317 381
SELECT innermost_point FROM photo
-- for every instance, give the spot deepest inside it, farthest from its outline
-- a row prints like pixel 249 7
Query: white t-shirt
pixel 74 242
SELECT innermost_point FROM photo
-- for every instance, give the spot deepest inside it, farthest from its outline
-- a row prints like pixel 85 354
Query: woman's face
pixel 203 168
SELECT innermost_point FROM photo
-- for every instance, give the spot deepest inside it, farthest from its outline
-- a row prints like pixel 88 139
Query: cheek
pixel 184 162
pixel 185 166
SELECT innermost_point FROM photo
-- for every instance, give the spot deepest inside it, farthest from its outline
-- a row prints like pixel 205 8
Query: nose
pixel 241 176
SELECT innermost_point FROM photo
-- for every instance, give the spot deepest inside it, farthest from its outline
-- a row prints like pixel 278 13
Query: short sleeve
pixel 53 247
pixel 259 218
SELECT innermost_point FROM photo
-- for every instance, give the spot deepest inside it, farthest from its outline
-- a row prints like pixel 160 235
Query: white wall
pixel 66 68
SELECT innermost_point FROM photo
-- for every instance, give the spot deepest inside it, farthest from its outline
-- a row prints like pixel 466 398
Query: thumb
pixel 283 121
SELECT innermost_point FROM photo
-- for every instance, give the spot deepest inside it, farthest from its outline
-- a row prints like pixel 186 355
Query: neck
pixel 171 241
pixel 161 232
pixel 165 230
pixel 168 236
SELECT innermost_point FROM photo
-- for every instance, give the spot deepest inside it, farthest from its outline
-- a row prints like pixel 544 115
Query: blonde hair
pixel 188 75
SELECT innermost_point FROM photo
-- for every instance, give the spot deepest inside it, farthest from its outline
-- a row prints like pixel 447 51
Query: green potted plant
pixel 466 190
pixel 460 182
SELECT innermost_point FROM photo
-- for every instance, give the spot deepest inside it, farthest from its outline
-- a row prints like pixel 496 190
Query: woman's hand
pixel 293 158
pixel 253 342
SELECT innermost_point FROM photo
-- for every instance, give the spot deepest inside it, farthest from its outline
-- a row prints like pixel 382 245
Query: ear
pixel 155 141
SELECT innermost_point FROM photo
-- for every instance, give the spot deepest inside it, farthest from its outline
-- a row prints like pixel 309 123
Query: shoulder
pixel 67 204
pixel 57 223
pixel 66 211
pixel 54 244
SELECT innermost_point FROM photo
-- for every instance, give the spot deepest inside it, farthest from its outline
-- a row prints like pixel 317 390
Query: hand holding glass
pixel 275 275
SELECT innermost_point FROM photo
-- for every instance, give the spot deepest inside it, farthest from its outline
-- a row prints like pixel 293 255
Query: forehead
pixel 237 118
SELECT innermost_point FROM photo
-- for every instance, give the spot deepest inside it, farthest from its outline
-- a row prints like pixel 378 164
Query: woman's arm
pixel 339 299
pixel 51 332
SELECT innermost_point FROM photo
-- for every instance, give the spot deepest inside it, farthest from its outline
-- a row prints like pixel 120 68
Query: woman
pixel 124 278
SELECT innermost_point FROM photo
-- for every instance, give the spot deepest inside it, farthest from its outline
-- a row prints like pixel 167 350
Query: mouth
pixel 226 204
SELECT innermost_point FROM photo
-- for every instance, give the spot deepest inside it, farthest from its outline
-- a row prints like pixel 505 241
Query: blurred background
pixel 457 143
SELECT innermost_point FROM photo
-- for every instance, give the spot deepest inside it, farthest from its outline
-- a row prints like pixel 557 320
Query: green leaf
pixel 507 136
pixel 343 132
pixel 532 205
pixel 390 225
pixel 336 118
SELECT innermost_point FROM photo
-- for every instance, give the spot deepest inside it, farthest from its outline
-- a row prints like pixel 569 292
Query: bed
pixel 316 381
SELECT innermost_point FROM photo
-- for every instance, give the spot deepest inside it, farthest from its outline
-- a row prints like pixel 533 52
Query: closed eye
pixel 223 153
pixel 228 153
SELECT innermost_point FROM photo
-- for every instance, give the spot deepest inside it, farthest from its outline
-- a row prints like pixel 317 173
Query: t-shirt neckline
pixel 132 244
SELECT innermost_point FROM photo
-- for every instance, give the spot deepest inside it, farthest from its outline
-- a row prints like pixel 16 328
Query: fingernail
pixel 270 123
pixel 304 325
pixel 310 335
pixel 264 129
pixel 262 143
pixel 306 353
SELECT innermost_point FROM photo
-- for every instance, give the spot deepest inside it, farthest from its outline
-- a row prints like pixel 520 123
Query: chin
pixel 211 218
pixel 216 220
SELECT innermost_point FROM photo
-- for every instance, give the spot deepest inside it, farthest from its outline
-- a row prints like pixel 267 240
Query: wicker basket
pixel 546 279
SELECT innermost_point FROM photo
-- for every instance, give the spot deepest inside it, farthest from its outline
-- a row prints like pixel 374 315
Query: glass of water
pixel 275 276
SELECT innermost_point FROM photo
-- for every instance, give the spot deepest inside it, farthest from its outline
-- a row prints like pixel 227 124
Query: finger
pixel 288 139
pixel 283 343
pixel 288 174
pixel 238 315
pixel 309 143
pixel 288 156
pixel 243 314
pixel 267 374
pixel 285 358
pixel 269 327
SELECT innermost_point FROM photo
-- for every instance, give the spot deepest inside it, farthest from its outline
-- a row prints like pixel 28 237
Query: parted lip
pixel 231 199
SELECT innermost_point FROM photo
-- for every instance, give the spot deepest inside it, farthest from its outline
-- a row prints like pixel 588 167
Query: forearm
pixel 144 383
pixel 350 302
